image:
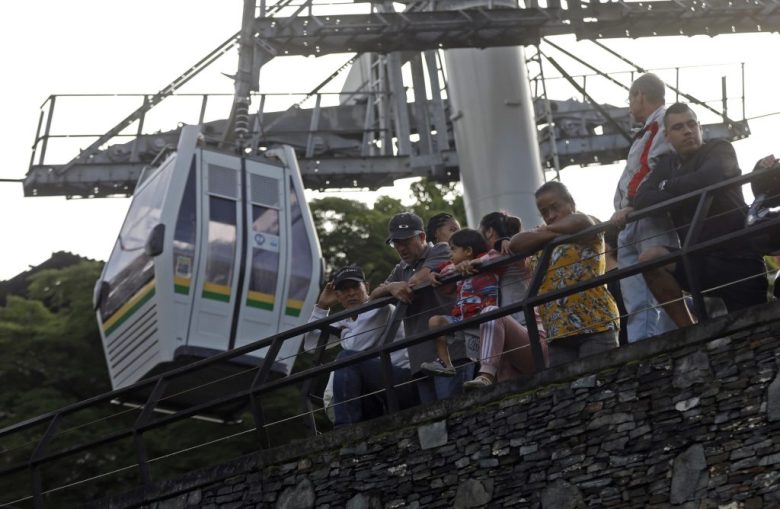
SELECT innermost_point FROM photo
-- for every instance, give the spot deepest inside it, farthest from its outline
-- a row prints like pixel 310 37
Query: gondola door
pixel 267 248
pixel 283 267
pixel 217 265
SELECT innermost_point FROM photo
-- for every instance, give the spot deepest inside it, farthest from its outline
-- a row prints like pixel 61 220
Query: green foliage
pixel 51 344
pixel 352 232
pixel 433 197
pixel 53 357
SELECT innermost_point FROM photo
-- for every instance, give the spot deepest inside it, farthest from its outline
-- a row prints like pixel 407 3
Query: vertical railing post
pixel 46 133
pixel 37 480
pixel 262 375
pixel 528 311
pixel 692 271
pixel 388 336
pixel 37 139
pixel 322 343
pixel 143 419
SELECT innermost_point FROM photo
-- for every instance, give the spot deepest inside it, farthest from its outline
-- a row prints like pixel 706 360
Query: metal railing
pixel 262 384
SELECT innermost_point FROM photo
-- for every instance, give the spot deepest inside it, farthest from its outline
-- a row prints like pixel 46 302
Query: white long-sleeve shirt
pixel 361 333
pixel 649 144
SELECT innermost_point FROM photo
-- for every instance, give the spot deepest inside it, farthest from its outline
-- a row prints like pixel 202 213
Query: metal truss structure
pixel 375 135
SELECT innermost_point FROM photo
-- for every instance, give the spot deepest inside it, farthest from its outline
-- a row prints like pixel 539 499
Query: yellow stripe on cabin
pixel 260 300
pixel 216 292
pixel 128 306
pixel 182 284
pixel 294 307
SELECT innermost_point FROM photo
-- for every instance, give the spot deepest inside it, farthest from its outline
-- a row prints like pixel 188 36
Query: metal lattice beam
pixel 482 28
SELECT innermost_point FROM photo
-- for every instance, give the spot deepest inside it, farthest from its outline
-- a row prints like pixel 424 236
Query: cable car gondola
pixel 218 250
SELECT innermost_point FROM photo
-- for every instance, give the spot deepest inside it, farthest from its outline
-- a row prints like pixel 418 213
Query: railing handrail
pixel 385 349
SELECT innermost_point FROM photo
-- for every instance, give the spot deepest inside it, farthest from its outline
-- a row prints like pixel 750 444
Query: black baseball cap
pixel 348 273
pixel 403 226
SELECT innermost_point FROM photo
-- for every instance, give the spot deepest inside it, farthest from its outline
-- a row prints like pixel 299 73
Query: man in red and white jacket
pixel 646 99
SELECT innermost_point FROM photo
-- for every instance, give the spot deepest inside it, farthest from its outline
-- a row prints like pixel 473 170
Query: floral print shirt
pixel 587 312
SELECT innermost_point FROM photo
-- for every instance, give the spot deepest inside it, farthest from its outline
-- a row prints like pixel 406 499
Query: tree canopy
pixel 351 232
pixel 53 357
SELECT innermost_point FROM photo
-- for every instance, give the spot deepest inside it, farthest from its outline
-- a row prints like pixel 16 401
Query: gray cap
pixel 403 226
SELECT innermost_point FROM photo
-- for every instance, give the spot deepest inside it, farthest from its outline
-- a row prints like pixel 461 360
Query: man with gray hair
pixel 646 99
pixel 419 258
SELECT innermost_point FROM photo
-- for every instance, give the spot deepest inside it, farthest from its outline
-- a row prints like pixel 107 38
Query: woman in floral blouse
pixel 586 322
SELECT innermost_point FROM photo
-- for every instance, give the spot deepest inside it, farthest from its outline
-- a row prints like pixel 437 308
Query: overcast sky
pixel 101 46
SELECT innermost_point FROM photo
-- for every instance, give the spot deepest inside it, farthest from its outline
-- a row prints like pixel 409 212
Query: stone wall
pixel 690 419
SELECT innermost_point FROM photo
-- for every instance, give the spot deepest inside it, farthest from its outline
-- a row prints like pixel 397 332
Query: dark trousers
pixel 353 386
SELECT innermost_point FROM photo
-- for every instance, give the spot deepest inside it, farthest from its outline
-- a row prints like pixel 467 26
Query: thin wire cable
pixel 311 412
pixel 117 414
pixel 333 343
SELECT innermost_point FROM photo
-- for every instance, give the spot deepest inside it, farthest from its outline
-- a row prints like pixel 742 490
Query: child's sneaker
pixel 480 382
pixel 438 368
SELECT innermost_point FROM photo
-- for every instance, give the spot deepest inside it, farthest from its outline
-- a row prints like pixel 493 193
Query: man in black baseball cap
pixel 418 259
pixel 355 387
pixel 348 273
pixel 403 226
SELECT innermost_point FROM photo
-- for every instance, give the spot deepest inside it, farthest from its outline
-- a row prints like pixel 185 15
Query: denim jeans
pixel 435 388
pixel 645 318
pixel 351 384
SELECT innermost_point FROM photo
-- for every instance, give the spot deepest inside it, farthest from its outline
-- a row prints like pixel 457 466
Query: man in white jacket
pixel 646 102
pixel 353 385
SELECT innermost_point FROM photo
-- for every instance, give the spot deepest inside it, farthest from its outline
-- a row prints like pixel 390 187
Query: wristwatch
pixel 662 185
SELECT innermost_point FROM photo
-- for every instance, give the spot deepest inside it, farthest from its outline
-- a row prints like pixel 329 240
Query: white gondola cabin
pixel 218 250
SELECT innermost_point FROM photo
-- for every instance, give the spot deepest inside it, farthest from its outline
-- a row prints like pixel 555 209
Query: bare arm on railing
pixel 401 288
pixel 534 240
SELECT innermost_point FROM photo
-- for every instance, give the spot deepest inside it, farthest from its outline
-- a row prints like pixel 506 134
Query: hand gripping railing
pixel 261 384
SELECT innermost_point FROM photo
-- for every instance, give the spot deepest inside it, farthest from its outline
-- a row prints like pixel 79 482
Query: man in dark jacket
pixel 734 272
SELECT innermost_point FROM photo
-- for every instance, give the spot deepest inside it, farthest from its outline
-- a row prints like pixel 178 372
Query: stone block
pixel 562 495
pixel 773 400
pixel 357 450
pixel 689 474
pixel 609 420
pixel 473 493
pixel 584 382
pixel 299 497
pixel 432 435
pixel 691 369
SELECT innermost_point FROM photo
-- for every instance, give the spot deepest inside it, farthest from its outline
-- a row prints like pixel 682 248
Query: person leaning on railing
pixel 643 318
pixel 419 258
pixel 586 322
pixel 353 386
pixel 733 272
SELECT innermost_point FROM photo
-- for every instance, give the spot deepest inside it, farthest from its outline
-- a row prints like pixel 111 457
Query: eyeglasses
pixel 401 242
